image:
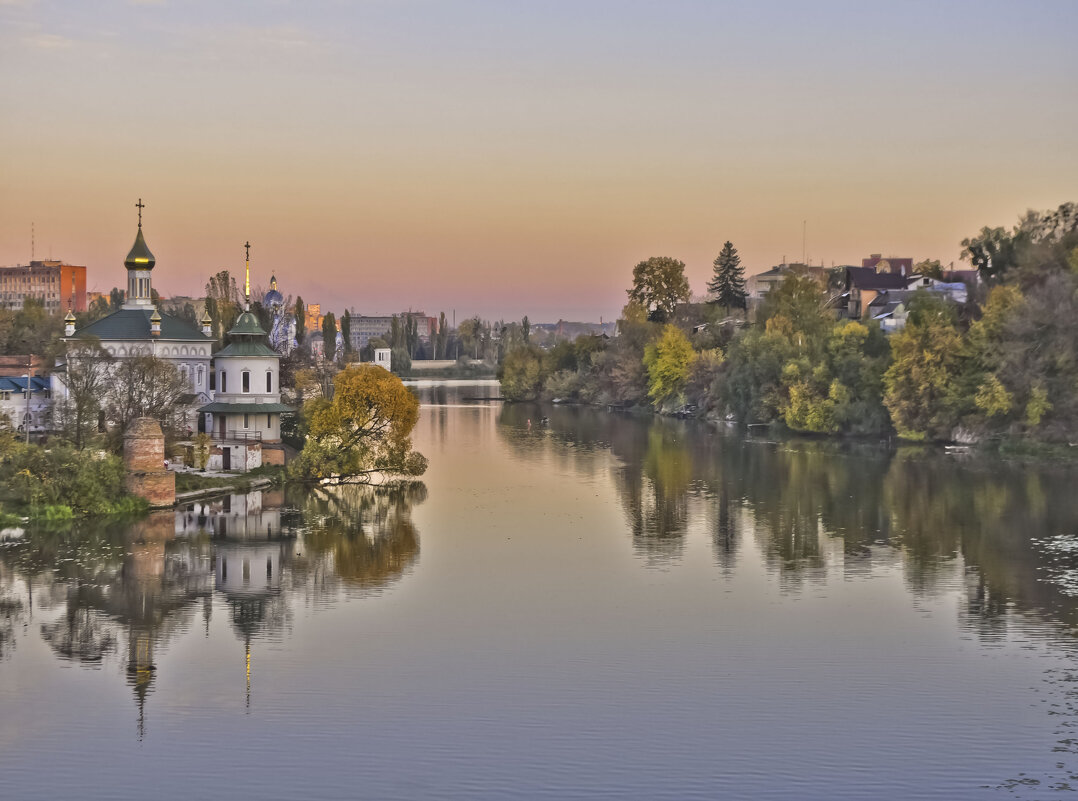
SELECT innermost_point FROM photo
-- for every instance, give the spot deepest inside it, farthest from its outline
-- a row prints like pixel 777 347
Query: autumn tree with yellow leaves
pixel 362 432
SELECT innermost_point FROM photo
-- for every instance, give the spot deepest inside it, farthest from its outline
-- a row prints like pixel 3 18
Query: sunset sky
pixel 509 158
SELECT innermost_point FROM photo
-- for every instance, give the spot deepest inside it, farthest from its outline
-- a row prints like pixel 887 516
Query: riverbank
pixel 192 485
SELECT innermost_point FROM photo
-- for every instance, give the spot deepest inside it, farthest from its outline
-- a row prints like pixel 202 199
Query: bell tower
pixel 139 264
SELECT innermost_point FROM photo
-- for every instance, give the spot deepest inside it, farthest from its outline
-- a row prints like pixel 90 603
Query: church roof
pixel 247 325
pixel 273 298
pixel 135 324
pixel 140 257
pixel 246 349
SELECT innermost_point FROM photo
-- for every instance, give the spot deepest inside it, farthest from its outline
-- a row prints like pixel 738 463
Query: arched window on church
pixel 198 373
pixel 269 381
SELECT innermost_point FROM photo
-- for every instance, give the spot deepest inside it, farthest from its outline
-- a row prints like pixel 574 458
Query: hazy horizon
pixel 504 159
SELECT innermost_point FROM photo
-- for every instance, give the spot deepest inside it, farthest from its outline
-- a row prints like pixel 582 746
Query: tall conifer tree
pixel 728 283
pixel 329 337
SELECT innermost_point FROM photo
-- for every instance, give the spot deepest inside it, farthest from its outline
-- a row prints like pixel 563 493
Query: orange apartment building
pixel 60 286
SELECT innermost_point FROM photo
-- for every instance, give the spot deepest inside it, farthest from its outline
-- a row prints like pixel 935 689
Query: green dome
pixel 140 257
pixel 247 324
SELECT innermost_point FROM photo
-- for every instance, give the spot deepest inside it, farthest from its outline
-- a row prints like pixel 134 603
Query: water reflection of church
pixel 253 554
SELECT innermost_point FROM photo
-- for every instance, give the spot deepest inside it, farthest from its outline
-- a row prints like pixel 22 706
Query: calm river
pixel 594 606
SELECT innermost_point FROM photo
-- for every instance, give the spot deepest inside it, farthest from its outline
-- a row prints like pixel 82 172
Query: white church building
pixel 235 393
pixel 139 329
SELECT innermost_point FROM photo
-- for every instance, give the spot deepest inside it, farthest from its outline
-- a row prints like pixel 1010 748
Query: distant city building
pixel 314 316
pixel 861 285
pixel 61 287
pixel 761 284
pixel 364 327
pixel 185 307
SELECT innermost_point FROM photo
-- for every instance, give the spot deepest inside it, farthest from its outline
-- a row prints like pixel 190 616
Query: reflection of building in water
pixel 145 597
pixel 129 590
pixel 235 515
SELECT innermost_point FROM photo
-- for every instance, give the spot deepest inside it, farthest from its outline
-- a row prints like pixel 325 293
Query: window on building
pixel 246 421
pixel 269 381
pixel 224 383
pixel 245 380
pixel 199 373
pixel 269 422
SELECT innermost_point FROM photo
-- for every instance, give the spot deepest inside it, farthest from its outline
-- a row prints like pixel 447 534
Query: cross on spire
pixel 247 279
pixel 140 206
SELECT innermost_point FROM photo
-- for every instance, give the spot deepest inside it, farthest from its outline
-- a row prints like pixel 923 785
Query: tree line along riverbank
pixel 999 368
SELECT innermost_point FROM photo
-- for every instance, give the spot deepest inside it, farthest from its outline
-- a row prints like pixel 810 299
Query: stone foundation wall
pixel 158 488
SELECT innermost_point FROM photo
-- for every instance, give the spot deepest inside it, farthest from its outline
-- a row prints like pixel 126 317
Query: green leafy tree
pixel 929 267
pixel 411 335
pixel 329 336
pixel 470 332
pixel 226 305
pixel 364 432
pixel 346 334
pixel 441 348
pixel 922 384
pixel 300 315
pixel 522 373
pixel 33 330
pixel 669 362
pixel 659 284
pixel 728 282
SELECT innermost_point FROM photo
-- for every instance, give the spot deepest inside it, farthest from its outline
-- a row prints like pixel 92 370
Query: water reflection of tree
pixel 355 538
pixel 653 484
pixel 952 525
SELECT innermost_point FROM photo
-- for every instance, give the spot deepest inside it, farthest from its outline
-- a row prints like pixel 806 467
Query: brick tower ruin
pixel 144 461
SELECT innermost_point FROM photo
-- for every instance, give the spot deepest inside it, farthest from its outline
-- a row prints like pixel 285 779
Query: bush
pixel 46 482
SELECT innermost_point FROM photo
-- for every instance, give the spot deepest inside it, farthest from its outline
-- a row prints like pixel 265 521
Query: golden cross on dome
pixel 140 206
pixel 247 279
